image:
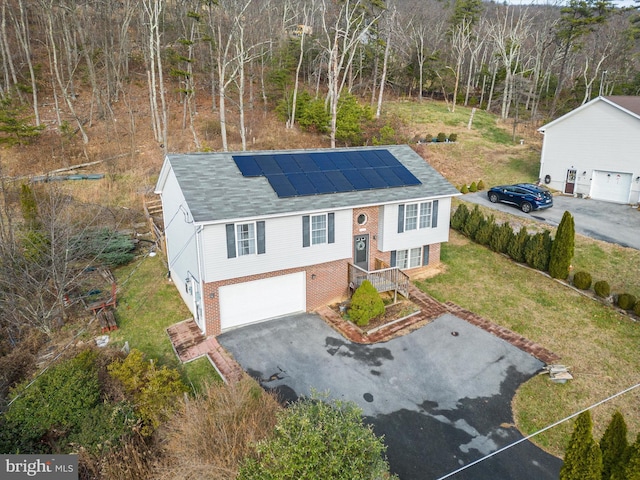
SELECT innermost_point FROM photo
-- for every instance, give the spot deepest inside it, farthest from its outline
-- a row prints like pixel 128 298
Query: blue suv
pixel 526 196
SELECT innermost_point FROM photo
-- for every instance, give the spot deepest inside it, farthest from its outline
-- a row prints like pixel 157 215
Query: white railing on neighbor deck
pixel 384 280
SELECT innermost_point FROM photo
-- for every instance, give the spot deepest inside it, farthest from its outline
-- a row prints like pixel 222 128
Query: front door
pixel 361 251
pixel 571 181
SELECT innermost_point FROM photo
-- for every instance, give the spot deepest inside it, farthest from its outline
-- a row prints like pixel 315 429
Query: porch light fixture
pixel 313 276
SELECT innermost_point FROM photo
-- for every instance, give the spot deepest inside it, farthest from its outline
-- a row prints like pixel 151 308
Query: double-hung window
pixel 414 216
pixel 318 229
pixel 245 239
pixel 409 258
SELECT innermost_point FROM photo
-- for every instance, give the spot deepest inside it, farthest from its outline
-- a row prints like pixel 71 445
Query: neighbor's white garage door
pixel 611 186
pixel 262 299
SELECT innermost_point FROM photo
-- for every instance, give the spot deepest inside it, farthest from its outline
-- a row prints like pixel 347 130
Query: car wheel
pixel 493 197
pixel 526 207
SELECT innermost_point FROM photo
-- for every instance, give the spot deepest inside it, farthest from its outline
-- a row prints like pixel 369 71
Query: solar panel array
pixel 315 173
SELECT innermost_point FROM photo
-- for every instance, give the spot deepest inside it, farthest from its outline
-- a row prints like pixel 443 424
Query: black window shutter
pixel 260 235
pixel 331 228
pixel 434 214
pixel 425 255
pixel 231 240
pixel 306 231
pixel 400 218
pixel 392 261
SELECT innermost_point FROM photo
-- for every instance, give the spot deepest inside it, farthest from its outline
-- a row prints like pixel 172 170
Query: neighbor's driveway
pixel 442 400
pixel 610 222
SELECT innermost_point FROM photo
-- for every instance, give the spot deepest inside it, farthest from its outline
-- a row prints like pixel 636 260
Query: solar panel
pixel 405 175
pixel 248 166
pixel 281 185
pixel 314 173
pixel 301 183
pixel 288 164
pixel 321 182
pixel 357 180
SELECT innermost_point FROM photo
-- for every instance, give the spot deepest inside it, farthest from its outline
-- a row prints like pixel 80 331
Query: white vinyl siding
pixel 284 248
pixel 584 140
pixel 389 239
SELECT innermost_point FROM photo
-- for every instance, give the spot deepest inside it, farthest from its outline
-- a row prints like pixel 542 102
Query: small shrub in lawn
pixel 480 185
pixel 582 280
pixel 473 187
pixel 464 189
pixel 366 304
pixel 459 218
pixel 626 301
pixel 442 137
pixel 636 308
pixel 602 288
pixel 453 137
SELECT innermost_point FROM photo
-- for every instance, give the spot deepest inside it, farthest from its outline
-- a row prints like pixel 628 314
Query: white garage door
pixel 611 186
pixel 262 299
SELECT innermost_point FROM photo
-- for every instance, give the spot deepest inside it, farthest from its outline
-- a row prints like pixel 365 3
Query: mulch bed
pixel 392 313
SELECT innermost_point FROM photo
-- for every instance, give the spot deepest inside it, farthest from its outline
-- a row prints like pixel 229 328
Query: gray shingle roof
pixel 215 190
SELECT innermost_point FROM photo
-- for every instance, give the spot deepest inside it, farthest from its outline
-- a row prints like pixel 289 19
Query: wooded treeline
pixel 529 63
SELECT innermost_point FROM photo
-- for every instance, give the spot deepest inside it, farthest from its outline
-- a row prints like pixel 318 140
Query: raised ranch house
pixel 594 150
pixel 257 235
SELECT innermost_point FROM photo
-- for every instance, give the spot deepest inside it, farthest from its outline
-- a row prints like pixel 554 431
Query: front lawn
pixel 598 343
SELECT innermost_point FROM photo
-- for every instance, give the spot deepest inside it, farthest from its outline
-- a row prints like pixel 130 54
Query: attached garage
pixel 611 186
pixel 250 302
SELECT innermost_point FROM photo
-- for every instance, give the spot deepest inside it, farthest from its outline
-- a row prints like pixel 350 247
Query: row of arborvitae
pixel 611 459
pixel 538 250
pixel 472 188
pixel 625 301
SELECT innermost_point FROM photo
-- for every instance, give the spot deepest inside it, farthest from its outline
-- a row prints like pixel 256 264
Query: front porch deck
pixel 390 279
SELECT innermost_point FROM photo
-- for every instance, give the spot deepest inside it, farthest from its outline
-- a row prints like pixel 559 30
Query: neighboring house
pixel 256 235
pixel 594 150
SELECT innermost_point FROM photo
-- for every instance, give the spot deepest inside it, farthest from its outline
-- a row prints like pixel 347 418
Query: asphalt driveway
pixel 610 222
pixel 441 395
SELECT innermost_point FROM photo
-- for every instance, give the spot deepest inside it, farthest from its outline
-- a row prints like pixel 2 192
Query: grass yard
pixel 147 304
pixel 598 343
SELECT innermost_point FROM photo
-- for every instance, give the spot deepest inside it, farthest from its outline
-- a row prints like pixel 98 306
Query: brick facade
pixel 326 283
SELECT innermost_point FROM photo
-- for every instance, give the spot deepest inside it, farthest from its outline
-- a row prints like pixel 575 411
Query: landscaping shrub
pixel 453 137
pixel 583 458
pixel 613 446
pixel 563 248
pixel 473 223
pixel 442 137
pixel 582 280
pixel 485 231
pixel 501 238
pixel 459 217
pixel 366 304
pixel 516 248
pixel 636 308
pixel 319 438
pixel 537 250
pixel 602 288
pixel 464 189
pixel 473 187
pixel 480 185
pixel 626 301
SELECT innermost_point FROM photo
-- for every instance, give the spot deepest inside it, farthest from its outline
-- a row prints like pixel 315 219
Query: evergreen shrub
pixel 473 187
pixel 636 308
pixel 501 237
pixel 481 185
pixel 626 301
pixel 442 137
pixel 464 189
pixel 366 304
pixel 582 280
pixel 602 288
pixel 453 137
